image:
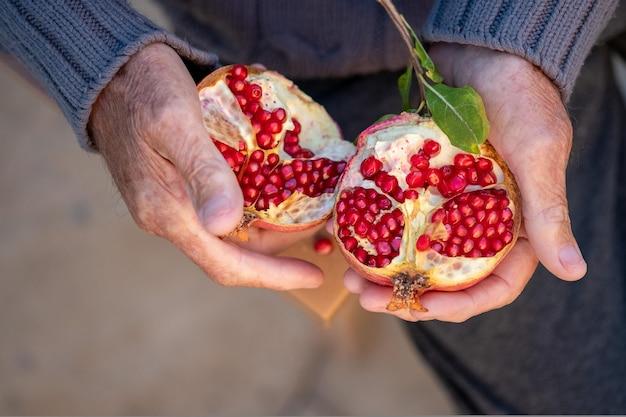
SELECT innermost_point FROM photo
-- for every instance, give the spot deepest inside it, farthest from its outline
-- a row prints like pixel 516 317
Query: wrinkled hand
pixel 531 130
pixel 147 125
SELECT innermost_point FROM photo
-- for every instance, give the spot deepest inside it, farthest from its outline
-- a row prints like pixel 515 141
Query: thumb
pixel 212 186
pixel 546 216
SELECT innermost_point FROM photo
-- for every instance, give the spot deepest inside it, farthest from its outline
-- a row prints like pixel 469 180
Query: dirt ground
pixel 97 317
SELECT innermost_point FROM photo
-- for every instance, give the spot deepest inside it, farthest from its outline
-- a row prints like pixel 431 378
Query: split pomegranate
pixel 285 150
pixel 416 213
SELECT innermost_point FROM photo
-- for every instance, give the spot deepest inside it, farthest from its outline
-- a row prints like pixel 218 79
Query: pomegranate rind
pixel 409 281
pixel 320 133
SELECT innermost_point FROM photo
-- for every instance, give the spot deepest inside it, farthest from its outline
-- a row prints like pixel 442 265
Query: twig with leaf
pixel 458 111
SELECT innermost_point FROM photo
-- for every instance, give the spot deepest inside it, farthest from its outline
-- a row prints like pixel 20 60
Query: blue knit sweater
pixel 75 47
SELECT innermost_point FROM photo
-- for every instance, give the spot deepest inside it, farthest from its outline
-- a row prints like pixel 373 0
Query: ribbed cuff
pixel 75 47
pixel 555 35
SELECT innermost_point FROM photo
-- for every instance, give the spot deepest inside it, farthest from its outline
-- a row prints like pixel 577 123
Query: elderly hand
pixel 531 130
pixel 148 127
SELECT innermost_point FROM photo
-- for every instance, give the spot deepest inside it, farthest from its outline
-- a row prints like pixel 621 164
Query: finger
pixel 213 188
pixel 231 265
pixel 546 216
pixel 499 289
pixel 271 241
pixel 353 282
pixel 158 207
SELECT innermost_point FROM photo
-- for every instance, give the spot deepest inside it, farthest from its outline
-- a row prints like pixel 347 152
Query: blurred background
pixel 97 317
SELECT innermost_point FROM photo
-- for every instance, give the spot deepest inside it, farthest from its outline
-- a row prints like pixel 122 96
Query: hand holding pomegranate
pixel 530 129
pixel 148 126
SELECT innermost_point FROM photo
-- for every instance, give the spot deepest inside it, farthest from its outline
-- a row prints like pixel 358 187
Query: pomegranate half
pixel 416 213
pixel 284 148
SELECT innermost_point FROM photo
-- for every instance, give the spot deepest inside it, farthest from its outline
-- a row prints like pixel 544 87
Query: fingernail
pixel 571 257
pixel 214 209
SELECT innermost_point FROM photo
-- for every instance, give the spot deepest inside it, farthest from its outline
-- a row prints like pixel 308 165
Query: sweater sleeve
pixel 555 35
pixel 75 47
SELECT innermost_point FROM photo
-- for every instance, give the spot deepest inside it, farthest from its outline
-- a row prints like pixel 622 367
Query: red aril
pixel 323 246
pixel 418 214
pixel 285 150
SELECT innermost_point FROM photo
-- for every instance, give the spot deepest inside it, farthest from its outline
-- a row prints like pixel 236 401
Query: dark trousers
pixel 561 347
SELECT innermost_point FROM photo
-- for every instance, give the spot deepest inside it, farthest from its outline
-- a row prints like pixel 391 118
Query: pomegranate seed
pixel 463 160
pixel 411 194
pixel 487 178
pixel 371 262
pixel 476 202
pixel 465 210
pixel 239 72
pixel 253 92
pixel 370 167
pixel 461 230
pixel 497 245
pixel 361 254
pixel 382 261
pixel 237 86
pixel 483 164
pixel 472 175
pixel 447 170
pixel 242 100
pixel 352 217
pixel 468 245
pixel 490 232
pixel 383 247
pixel 500 228
pixel 291 139
pixel 383 202
pixel 482 243
pixel 250 194
pixel 349 243
pixel 396 243
pixel 361 228
pixel 437 247
pixel 262 116
pixel 469 221
pixel 419 162
pixel 383 231
pixel 506 214
pixel 423 243
pixel 272 159
pixel 456 183
pixel 492 217
pixel 291 184
pixel 431 147
pixel 477 231
pixel 387 182
pixel 433 176
pixel 264 140
pixel 438 216
pixel 398 194
pixel 323 246
pixel 258 180
pixel 507 237
pixel 504 203
pixel 475 253
pixel 415 179
pixel 490 202
pixel 279 115
pixel 372 235
pixel 454 216
pixel 253 107
pixel 257 156
pixel 343 231
pixel 453 250
pixel 272 127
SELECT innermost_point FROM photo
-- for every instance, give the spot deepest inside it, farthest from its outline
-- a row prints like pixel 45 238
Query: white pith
pixel 393 146
pixel 226 122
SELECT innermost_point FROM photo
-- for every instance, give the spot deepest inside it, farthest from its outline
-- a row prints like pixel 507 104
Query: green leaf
pixel 404 85
pixel 460 113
